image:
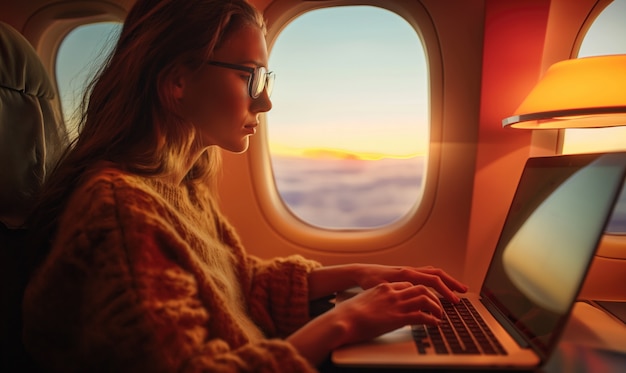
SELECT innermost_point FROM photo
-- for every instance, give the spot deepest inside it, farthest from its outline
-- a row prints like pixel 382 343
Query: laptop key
pixel 420 336
pixel 461 331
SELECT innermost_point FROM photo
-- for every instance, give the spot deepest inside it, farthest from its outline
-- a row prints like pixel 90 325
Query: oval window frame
pixel 277 214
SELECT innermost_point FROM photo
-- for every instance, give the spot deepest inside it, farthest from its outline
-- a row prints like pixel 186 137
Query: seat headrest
pixel 32 133
pixel 21 69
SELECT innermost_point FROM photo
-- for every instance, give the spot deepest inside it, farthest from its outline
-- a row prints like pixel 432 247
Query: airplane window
pixel 80 54
pixel 349 130
pixel 607 35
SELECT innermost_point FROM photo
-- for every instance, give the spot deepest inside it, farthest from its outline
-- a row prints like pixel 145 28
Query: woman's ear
pixel 177 80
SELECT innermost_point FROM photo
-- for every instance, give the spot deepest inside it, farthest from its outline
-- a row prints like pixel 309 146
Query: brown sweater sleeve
pixel 279 297
pixel 117 294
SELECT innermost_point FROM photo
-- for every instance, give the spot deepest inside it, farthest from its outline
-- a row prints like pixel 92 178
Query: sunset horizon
pixel 336 153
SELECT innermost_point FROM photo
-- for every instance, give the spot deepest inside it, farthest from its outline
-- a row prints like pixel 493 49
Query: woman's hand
pixel 386 307
pixel 370 275
pixel 375 311
pixel 393 296
pixel 327 280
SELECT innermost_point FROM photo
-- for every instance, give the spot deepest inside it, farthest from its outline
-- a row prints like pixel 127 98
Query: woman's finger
pixel 448 280
pixel 422 299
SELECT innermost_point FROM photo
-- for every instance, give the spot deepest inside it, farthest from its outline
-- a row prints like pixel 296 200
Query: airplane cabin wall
pixel 512 58
pixel 501 153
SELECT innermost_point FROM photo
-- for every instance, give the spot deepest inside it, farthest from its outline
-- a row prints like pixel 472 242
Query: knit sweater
pixel 146 277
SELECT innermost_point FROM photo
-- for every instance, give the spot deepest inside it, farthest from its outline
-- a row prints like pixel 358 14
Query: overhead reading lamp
pixel 578 93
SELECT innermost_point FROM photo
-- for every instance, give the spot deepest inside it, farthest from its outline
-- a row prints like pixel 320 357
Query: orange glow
pixel 330 153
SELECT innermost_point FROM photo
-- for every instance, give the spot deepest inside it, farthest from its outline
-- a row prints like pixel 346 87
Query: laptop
pixel 554 224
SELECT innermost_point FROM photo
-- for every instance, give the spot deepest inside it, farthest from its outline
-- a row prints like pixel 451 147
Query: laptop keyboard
pixel 461 331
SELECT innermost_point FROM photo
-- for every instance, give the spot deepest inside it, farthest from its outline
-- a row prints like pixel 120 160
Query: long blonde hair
pixel 128 115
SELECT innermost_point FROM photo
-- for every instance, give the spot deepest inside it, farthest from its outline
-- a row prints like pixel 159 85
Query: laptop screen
pixel 555 221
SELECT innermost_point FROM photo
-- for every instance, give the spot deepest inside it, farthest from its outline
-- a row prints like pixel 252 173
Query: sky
pixel 372 94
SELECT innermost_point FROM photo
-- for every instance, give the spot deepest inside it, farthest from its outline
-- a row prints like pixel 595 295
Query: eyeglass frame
pixel 269 76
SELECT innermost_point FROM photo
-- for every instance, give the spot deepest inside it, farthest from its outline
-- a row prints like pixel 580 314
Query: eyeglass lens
pixel 262 80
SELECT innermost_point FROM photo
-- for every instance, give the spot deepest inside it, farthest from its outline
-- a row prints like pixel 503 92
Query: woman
pixel 137 270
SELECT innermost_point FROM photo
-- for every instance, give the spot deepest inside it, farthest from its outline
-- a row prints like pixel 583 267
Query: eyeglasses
pixel 258 80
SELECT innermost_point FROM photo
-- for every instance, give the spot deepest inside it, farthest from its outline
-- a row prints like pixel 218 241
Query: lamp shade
pixel 577 93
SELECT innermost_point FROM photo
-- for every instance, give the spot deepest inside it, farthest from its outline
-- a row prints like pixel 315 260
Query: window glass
pixel 607 35
pixel 349 129
pixel 79 56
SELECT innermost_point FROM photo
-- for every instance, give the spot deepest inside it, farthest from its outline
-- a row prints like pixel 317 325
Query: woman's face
pixel 215 98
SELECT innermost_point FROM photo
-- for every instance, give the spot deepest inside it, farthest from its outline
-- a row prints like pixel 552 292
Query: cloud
pixel 349 193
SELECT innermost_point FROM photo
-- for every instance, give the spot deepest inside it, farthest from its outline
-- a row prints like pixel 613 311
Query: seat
pixel 32 137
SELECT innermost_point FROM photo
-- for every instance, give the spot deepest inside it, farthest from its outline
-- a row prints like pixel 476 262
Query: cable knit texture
pixel 146 277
